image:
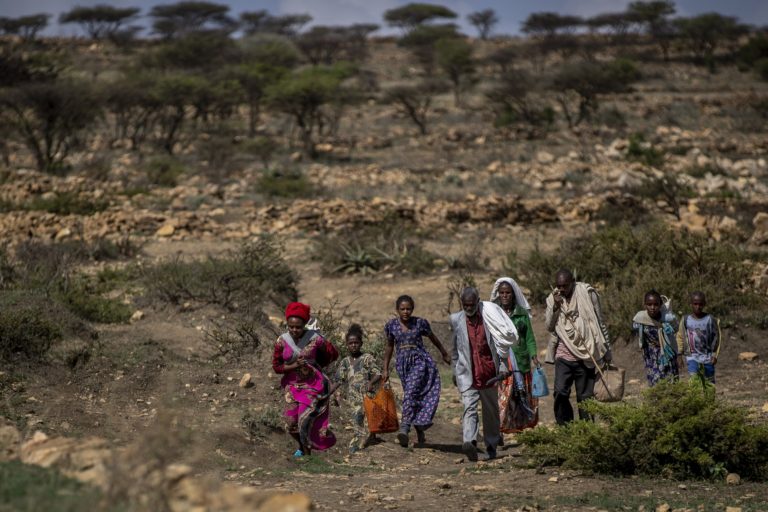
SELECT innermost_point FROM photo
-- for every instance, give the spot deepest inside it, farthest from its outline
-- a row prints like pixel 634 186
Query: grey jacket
pixel 461 358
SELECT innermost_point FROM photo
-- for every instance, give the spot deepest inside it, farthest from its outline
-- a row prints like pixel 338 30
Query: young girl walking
pixel 656 328
pixel 358 374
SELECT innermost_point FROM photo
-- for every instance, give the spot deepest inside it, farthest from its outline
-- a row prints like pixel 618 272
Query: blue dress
pixel 418 372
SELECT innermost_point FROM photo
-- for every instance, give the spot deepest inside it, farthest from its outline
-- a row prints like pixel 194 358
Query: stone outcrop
pixel 95 462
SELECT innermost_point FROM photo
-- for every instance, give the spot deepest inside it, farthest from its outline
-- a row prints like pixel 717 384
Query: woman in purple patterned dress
pixel 418 372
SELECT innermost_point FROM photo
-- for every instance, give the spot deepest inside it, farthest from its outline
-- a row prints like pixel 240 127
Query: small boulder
pixel 245 381
pixel 748 356
pixel 10 441
pixel 760 221
pixel 166 230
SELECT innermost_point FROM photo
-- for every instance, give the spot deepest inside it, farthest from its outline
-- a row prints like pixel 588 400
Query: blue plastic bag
pixel 539 386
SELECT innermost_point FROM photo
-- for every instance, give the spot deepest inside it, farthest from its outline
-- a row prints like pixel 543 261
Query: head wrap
pixel 519 297
pixel 298 310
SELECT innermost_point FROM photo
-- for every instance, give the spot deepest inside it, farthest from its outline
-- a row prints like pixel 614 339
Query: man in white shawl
pixel 482 337
pixel 579 340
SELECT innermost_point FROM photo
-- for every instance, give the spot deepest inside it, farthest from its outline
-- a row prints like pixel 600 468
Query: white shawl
pixel 578 326
pixel 519 297
pixel 500 327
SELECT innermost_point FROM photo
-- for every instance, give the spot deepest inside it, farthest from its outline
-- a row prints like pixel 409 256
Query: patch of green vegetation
pixel 678 430
pixel 641 151
pixel 609 501
pixel 164 171
pixel 67 203
pixel 254 272
pixel 29 488
pixel 700 171
pixel 267 420
pixel 285 184
pixel 83 298
pixel 624 262
pixel 318 465
pixel 387 245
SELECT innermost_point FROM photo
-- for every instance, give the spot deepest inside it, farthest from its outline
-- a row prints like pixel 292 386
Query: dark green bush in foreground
pixel 679 430
pixel 623 263
pixel 26 487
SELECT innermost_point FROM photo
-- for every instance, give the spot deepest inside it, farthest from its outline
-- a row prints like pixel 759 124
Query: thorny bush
pixel 678 430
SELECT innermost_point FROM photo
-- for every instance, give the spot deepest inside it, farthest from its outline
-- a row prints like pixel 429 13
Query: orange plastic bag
pixel 381 411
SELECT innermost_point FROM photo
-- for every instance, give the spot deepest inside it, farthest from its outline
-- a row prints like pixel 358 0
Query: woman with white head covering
pixel 507 294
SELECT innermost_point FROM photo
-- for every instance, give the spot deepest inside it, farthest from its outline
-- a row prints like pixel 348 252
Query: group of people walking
pixel 492 355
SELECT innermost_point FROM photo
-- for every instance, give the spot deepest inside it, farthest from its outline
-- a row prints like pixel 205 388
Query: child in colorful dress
pixel 699 339
pixel 655 328
pixel 360 374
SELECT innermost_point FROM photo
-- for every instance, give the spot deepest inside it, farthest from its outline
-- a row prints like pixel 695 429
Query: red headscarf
pixel 298 310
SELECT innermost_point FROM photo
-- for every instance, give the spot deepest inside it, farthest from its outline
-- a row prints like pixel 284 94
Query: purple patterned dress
pixel 418 372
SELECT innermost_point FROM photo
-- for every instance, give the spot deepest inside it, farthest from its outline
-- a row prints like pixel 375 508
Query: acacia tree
pixel 510 100
pixel 705 33
pixel 413 15
pixel 264 62
pixel 303 94
pixel 422 41
pixel 133 108
pixel 26 27
pixel 203 51
pixel 100 21
pixel 261 22
pixel 589 80
pixel 483 21
pixel 415 100
pixel 51 118
pixel 654 16
pixel 454 57
pixel 173 20
pixel 553 31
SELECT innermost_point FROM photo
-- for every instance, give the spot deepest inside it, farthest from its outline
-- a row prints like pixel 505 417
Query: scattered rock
pixel 544 158
pixel 245 381
pixel 748 356
pixel 10 441
pixel 760 222
pixel 733 479
pixel 165 230
pixel 63 233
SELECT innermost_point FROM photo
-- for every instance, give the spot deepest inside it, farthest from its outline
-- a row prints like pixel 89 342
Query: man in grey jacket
pixel 482 337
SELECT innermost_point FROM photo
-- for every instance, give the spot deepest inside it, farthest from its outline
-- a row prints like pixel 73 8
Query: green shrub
pixel 253 273
pixel 387 245
pixel 646 153
pixel 237 335
pixel 284 184
pixel 31 324
pixel 257 425
pixel 82 296
pixel 28 487
pixel 26 331
pixel 679 430
pixel 623 263
pixel 164 171
pixel 67 203
pixel 761 68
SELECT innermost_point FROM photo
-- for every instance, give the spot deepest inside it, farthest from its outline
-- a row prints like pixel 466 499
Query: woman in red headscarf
pixel 300 355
